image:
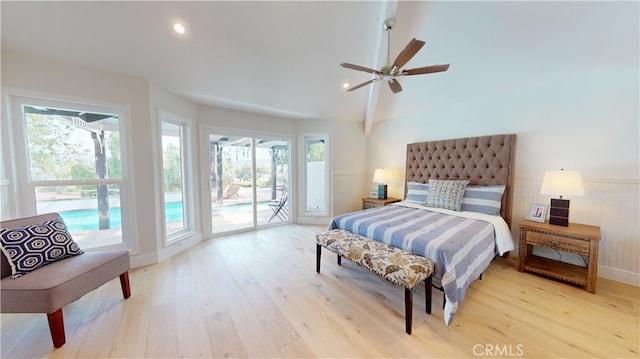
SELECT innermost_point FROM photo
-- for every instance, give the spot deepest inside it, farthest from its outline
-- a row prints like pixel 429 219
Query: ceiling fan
pixel 391 71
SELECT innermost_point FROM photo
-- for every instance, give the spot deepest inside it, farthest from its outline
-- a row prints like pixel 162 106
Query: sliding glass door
pixel 248 181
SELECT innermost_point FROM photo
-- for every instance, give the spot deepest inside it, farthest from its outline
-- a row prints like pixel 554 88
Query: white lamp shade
pixel 378 175
pixel 562 183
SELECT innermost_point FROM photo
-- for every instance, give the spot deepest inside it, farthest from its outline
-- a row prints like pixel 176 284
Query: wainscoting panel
pixel 609 203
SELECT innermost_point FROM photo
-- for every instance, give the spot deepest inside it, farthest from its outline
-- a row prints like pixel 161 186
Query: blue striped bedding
pixel 461 244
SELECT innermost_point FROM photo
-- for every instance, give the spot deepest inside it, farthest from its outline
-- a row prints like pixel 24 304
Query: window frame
pixel 188 179
pixel 304 175
pixel 22 187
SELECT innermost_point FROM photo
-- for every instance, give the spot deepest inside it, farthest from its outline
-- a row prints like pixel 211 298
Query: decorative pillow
pixel 31 247
pixel 446 194
pixel 483 199
pixel 417 192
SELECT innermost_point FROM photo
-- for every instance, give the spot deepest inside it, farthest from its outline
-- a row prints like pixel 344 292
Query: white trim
pixel 188 179
pixel 619 275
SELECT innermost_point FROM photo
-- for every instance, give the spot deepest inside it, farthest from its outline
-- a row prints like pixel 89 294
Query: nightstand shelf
pixel 556 269
pixel 371 202
pixel 577 238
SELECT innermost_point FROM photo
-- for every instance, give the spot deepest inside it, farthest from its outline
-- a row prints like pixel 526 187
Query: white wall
pixel 68 82
pixel 585 121
pixel 349 166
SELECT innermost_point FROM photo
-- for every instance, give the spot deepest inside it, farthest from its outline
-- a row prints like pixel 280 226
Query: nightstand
pixel 577 238
pixel 371 202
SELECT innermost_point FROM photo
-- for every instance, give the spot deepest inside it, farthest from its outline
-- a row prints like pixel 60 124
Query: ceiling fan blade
pixel 395 86
pixel 362 85
pixel 359 68
pixel 425 70
pixel 408 52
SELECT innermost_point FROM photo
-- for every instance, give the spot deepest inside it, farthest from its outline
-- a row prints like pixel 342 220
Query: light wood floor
pixel 257 295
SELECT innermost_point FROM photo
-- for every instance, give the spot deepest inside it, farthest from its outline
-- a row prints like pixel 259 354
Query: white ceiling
pixel 282 58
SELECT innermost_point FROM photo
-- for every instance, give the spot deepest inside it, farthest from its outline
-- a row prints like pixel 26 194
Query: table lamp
pixel 561 183
pixel 378 177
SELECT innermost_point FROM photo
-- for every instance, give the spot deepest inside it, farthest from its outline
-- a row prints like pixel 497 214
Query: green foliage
pixel 315 152
pixel 171 162
pixel 114 157
pixel 51 152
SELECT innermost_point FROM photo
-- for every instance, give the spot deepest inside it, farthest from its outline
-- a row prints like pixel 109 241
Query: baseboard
pixel 619 275
pixel 138 260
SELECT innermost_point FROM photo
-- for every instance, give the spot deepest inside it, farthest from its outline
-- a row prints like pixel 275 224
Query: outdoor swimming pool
pixel 87 219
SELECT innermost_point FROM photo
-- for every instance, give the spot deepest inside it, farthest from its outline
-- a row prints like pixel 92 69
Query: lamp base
pixel 559 212
pixel 382 191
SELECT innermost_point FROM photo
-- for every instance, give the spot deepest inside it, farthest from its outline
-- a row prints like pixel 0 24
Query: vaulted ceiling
pixel 282 58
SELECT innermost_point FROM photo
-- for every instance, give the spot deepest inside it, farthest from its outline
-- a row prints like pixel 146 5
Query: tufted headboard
pixel 485 160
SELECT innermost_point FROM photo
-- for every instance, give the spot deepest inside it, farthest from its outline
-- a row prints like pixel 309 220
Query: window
pixel 74 165
pixel 316 175
pixel 177 185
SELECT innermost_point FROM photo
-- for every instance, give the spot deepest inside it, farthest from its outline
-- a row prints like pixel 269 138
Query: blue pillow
pixel 483 199
pixel 31 247
pixel 417 192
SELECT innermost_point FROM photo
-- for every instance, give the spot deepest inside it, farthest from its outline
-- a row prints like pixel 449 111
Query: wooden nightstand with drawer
pixel 577 238
pixel 371 202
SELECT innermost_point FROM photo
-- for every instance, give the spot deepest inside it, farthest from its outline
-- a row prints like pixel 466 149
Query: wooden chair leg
pixel 124 283
pixel 408 308
pixel 427 295
pixel 56 327
pixel 318 254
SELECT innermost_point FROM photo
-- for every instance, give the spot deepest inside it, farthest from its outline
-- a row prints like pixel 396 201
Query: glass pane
pixel 91 212
pixel 272 180
pixel 82 149
pixel 72 145
pixel 316 174
pixel 231 183
pixel 172 166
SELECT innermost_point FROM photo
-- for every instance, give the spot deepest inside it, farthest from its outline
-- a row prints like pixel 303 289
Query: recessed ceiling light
pixel 179 28
pixel 345 85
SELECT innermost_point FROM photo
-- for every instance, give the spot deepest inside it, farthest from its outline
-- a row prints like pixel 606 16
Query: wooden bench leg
pixel 124 283
pixel 408 308
pixel 56 327
pixel 318 254
pixel 427 295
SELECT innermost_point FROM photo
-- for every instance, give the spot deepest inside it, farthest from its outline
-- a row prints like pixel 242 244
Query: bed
pixel 461 236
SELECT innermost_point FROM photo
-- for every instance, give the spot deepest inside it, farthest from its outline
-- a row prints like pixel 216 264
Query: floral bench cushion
pixel 394 264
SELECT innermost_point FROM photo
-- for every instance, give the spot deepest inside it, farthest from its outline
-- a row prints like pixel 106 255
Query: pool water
pixel 87 219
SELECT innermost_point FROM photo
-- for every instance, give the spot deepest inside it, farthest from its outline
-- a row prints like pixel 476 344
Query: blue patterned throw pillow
pixel 446 194
pixel 31 247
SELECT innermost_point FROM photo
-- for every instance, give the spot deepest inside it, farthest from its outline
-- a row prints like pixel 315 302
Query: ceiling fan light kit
pixel 391 71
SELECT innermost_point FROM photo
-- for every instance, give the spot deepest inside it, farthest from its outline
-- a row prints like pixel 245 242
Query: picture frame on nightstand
pixel 538 212
pixel 373 194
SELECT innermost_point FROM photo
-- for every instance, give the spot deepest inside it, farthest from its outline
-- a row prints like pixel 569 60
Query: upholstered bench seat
pixel 391 263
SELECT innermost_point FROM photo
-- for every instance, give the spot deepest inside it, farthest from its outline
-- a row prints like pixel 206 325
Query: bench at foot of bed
pixel 394 264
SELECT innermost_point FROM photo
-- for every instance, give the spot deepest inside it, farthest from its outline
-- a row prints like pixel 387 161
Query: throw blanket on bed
pixel 461 244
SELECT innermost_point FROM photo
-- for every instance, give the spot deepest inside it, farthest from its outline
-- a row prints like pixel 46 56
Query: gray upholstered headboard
pixel 485 160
